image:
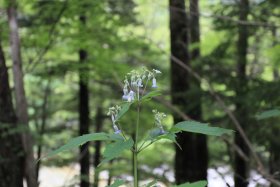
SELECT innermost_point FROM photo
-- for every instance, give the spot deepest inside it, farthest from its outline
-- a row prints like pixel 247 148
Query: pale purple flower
pixel 131 95
pixel 162 131
pixel 139 83
pixel 125 97
pixel 154 83
pixel 116 129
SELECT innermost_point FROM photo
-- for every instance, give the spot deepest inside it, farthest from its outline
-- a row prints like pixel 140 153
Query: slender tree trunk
pixel 84 113
pixel 188 166
pixel 11 150
pixel 21 103
pixel 97 147
pixel 199 154
pixel 274 157
pixel 41 129
pixel 240 165
pixel 275 69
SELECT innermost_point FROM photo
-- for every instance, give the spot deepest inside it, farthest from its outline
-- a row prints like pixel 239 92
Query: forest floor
pixel 69 176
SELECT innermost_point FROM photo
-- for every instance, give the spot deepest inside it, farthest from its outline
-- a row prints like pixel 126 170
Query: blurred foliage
pixel 124 34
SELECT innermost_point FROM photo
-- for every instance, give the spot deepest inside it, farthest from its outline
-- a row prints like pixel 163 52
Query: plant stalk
pixel 135 151
pixel 135 168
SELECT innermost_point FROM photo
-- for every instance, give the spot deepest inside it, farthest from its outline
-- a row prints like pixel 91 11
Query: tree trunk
pixel 240 165
pixel 11 150
pixel 97 147
pixel 21 103
pixel 84 113
pixel 191 161
pixel 275 69
pixel 199 153
pixel 41 129
pixel 274 157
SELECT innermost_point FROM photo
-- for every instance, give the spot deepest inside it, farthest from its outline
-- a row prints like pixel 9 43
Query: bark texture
pixel 84 113
pixel 191 161
pixel 97 146
pixel 240 165
pixel 11 150
pixel 42 127
pixel 274 157
pixel 199 153
pixel 21 103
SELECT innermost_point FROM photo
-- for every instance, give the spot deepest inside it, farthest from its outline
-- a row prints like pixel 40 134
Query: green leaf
pixel 155 134
pixel 197 127
pixel 124 108
pixel 116 137
pixel 115 149
pixel 117 183
pixel 151 94
pixel 268 114
pixel 151 184
pixel 172 137
pixel 195 184
pixel 169 136
pixel 78 141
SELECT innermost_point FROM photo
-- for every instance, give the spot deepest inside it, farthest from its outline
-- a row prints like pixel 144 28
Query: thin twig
pixel 50 41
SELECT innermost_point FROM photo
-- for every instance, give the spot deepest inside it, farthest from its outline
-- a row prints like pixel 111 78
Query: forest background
pixel 62 64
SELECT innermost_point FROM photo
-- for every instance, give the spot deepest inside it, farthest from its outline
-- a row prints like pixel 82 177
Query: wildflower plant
pixel 139 86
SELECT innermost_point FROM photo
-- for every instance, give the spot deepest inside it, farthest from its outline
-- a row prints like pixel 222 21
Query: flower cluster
pixel 159 116
pixel 113 112
pixel 134 82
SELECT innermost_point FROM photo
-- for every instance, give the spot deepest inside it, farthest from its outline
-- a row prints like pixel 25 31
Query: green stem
pixel 135 151
pixel 135 168
pixel 146 146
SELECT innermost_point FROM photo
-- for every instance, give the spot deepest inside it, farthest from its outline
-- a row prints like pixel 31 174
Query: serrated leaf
pixel 155 134
pixel 124 108
pixel 114 150
pixel 202 128
pixel 117 183
pixel 150 95
pixel 78 141
pixel 194 184
pixel 268 114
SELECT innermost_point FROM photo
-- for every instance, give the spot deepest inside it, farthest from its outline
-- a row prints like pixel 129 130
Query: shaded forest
pixel 64 63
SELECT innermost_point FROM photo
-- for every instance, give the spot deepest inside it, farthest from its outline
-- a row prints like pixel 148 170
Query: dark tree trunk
pixel 199 153
pixel 240 165
pixel 97 146
pixel 11 150
pixel 274 157
pixel 21 103
pixel 194 28
pixel 84 113
pixel 191 161
pixel 275 69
